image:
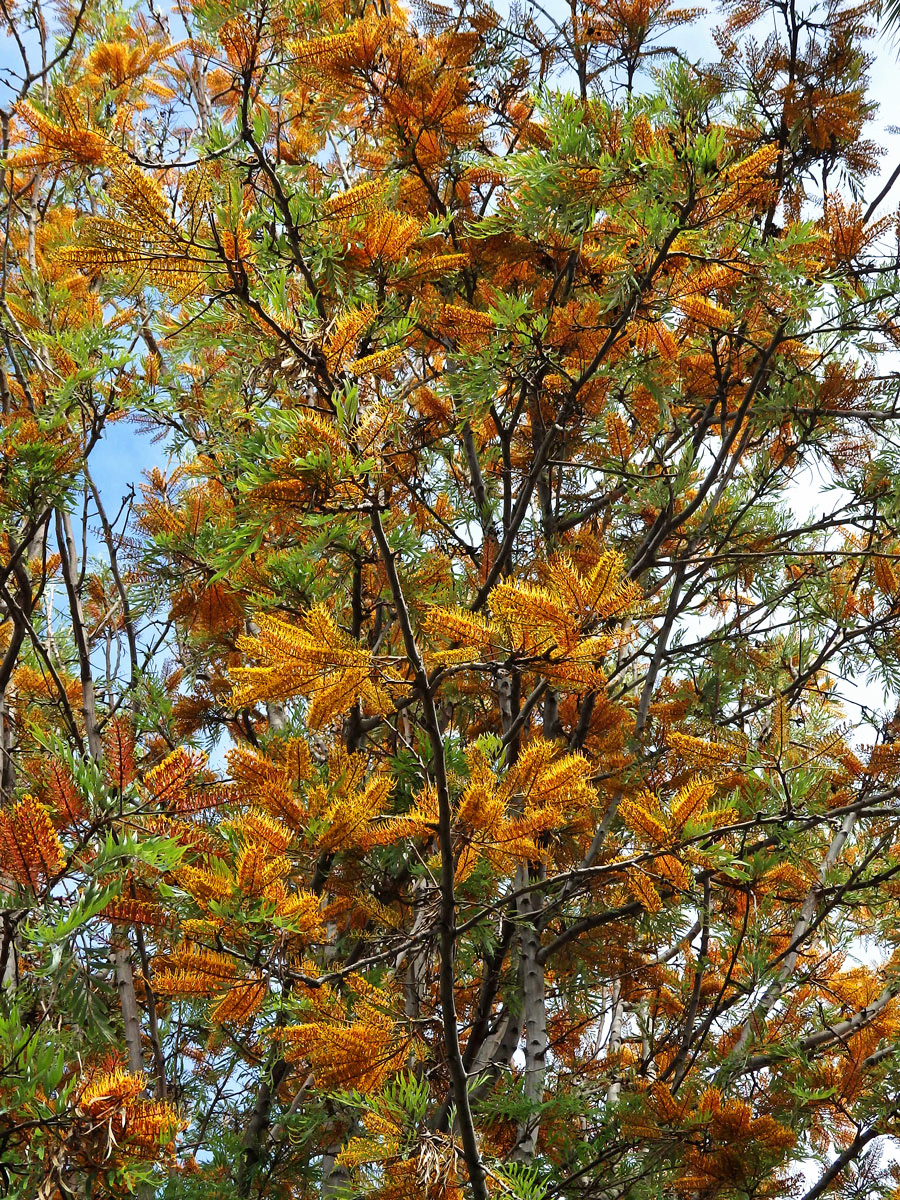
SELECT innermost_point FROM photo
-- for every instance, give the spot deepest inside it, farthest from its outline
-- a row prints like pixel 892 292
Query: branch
pixel 861 1140
pixel 448 901
pixel 826 1037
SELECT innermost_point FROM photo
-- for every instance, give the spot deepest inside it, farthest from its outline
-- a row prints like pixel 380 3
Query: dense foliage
pixel 439 776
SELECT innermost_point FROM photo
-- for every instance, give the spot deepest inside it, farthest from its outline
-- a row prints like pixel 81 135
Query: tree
pixel 442 781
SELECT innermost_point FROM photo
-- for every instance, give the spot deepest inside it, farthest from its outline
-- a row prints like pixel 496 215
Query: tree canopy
pixel 440 774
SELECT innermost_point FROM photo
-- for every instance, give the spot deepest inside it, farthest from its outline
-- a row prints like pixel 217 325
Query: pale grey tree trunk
pixel 534 1010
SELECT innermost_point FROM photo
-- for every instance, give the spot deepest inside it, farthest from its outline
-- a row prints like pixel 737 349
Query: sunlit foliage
pixel 440 775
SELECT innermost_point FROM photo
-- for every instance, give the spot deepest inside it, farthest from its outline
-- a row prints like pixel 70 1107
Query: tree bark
pixel 120 955
pixel 534 1011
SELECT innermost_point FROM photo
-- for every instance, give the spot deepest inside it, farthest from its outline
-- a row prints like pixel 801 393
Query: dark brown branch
pixel 448 901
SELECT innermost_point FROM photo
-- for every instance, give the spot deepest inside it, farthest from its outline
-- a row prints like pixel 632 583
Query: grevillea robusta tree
pixel 438 776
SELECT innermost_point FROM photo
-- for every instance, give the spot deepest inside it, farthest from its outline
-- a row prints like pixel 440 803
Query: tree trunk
pixel 120 955
pixel 534 1011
